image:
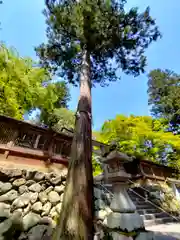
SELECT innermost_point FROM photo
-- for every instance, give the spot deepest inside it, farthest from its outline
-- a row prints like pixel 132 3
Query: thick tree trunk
pixel 76 218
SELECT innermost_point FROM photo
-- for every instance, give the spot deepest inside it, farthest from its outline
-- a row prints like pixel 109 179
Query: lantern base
pixel 125 221
pixel 121 201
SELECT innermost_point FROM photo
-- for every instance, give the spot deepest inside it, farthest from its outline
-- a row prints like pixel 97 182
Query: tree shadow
pixel 41 231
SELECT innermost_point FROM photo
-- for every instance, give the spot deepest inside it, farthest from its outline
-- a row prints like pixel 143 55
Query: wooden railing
pixel 150 170
pixel 22 138
pixel 156 171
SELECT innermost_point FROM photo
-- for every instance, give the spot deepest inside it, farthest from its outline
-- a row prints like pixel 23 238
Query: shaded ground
pixel 169 231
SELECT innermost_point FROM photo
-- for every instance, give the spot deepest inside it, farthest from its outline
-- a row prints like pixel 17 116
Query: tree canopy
pixel 164 97
pixel 114 38
pixel 144 137
pixel 24 86
pixel 58 118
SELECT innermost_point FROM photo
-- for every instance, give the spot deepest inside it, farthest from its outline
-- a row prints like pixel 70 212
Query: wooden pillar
pixel 37 141
pixel 50 151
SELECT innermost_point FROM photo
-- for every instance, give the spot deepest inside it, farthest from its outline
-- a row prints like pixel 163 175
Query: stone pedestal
pixel 124 223
pixel 123 215
pixel 121 201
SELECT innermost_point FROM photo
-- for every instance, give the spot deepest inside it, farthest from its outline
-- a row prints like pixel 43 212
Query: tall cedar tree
pixel 164 97
pixel 88 40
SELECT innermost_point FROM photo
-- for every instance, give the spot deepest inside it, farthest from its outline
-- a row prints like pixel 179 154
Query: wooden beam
pixel 34 153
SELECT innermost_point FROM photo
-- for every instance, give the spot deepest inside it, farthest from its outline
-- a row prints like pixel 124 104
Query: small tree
pixel 164 97
pixel 88 40
pixel 24 86
pixel 142 137
pixel 58 119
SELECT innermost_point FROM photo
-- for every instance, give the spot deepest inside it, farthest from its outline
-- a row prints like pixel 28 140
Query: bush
pixel 162 195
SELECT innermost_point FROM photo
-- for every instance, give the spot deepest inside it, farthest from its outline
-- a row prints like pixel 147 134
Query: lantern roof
pixel 116 156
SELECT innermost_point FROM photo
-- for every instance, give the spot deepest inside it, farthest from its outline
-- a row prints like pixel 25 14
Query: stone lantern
pixel 123 218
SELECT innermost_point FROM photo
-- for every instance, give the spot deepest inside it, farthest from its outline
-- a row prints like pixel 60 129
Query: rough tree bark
pixel 76 218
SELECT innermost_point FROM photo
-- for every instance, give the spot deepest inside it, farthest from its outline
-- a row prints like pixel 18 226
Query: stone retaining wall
pixel 30 202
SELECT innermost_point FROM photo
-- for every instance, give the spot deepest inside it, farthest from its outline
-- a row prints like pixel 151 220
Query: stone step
pixel 158 221
pixel 137 199
pixel 152 216
pixel 148 211
pixel 141 202
pixel 144 206
pixel 133 195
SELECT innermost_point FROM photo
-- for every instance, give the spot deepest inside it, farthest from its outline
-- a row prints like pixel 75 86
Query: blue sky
pixel 23 27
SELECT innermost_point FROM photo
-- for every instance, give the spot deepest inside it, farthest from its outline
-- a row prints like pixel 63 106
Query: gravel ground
pixel 166 231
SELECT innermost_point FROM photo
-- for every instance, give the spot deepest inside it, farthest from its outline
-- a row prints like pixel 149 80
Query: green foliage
pixel 113 38
pixel 168 201
pixel 24 86
pixel 58 118
pixel 164 96
pixel 107 235
pixel 144 137
pixel 96 166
